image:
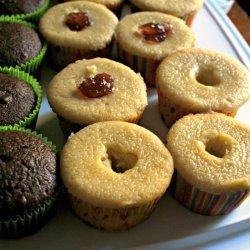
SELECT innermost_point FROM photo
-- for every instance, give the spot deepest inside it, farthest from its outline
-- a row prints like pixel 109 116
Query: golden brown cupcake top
pixel 129 35
pixel 98 31
pixel 111 4
pixel 211 152
pixel 114 164
pixel 127 100
pixel 174 7
pixel 204 80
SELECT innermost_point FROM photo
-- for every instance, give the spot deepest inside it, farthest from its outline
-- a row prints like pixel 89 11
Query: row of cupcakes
pixel 81 29
pixel 29 185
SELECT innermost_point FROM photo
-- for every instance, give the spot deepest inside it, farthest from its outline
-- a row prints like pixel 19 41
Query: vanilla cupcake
pixel 211 154
pixel 180 8
pixel 198 81
pixel 78 29
pixel 94 90
pixel 115 173
pixel 113 5
pixel 145 38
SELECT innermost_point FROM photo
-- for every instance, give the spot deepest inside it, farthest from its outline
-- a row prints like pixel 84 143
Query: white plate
pixel 170 224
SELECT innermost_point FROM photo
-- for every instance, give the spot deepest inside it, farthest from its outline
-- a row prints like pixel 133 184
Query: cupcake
pixel 113 5
pixel 20 45
pixel 94 90
pixel 29 182
pixel 201 80
pixel 211 155
pixel 115 172
pixel 179 8
pixel 145 38
pixel 77 30
pixel 20 98
pixel 30 10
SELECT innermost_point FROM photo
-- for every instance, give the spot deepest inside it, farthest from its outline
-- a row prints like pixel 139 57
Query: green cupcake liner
pixel 33 66
pixel 32 221
pixel 30 120
pixel 32 16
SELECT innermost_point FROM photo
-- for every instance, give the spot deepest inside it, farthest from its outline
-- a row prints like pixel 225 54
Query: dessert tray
pixel 170 224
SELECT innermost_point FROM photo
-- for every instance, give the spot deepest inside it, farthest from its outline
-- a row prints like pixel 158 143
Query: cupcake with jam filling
pixel 94 90
pixel 77 30
pixel 29 10
pixel 179 8
pixel 145 38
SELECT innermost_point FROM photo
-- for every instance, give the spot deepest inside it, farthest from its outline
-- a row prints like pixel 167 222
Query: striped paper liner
pixel 189 18
pixel 62 56
pixel 146 66
pixel 112 219
pixel 69 127
pixel 171 112
pixel 206 203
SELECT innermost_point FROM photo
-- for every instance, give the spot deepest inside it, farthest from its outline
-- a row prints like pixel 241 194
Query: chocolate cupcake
pixel 20 45
pixel 20 98
pixel 28 182
pixel 30 10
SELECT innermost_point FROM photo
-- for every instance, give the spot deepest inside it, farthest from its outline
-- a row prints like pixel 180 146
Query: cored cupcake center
pixel 77 21
pixel 154 33
pixel 97 86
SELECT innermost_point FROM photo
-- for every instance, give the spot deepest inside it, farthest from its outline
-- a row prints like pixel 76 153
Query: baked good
pixel 110 4
pixel 78 29
pixel 28 182
pixel 211 155
pixel 29 10
pixel 72 94
pixel 201 80
pixel 20 98
pixel 20 45
pixel 115 172
pixel 145 38
pixel 179 8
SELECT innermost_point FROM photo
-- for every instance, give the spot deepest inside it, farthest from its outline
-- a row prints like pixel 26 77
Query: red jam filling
pixel 154 33
pixel 76 21
pixel 97 86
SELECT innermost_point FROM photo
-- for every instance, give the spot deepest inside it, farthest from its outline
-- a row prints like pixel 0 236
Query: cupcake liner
pixel 189 18
pixel 30 120
pixel 112 219
pixel 146 66
pixel 29 223
pixel 171 112
pixel 32 16
pixel 206 203
pixel 69 127
pixel 62 56
pixel 32 221
pixel 33 66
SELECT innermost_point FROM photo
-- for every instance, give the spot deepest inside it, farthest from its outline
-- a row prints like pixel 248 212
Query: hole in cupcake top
pixel 206 76
pixel 154 33
pixel 97 86
pixel 218 146
pixel 77 21
pixel 119 161
pixel 5 98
